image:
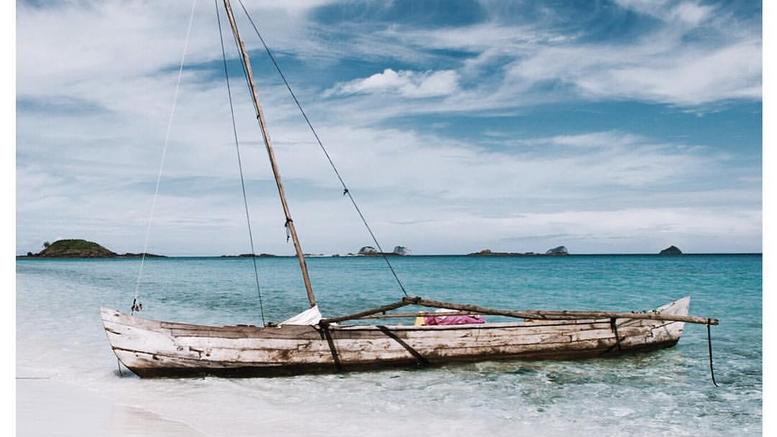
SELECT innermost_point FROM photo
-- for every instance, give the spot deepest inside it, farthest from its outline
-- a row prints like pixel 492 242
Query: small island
pixel 250 255
pixel 556 251
pixel 671 250
pixel 371 251
pixel 489 252
pixel 77 248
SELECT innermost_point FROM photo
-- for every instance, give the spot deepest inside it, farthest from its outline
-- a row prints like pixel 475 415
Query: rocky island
pixel 560 250
pixel 371 251
pixel 250 255
pixel 671 250
pixel 76 248
pixel 556 251
pixel 489 252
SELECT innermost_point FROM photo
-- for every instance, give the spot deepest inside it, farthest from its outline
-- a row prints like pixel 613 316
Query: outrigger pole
pixel 292 230
pixel 521 314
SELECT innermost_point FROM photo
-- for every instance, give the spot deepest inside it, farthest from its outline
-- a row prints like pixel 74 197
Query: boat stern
pixel 678 307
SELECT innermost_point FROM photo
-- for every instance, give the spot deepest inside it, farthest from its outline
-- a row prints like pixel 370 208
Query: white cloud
pixel 541 186
pixel 427 165
pixel 668 63
pixel 691 13
pixel 653 70
pixel 110 42
pixel 90 174
pixel 69 48
pixel 406 83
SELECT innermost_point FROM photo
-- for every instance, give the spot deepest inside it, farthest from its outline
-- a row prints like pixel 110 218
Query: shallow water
pixel 667 392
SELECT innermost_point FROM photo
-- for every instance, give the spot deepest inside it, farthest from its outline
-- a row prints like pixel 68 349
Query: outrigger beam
pixel 562 315
pixel 365 313
pixel 522 314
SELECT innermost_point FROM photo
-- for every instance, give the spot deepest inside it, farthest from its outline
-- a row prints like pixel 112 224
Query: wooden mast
pixel 271 154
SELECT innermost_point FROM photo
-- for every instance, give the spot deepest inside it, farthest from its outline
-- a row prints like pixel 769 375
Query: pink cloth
pixel 453 320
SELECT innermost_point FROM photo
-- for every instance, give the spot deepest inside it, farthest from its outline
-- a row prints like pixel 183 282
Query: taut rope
pixel 136 305
pixel 240 163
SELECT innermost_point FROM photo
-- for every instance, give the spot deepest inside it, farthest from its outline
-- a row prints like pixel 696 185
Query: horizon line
pixel 334 255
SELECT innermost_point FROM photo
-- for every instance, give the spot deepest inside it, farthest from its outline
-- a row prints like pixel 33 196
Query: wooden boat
pixel 152 348
pixel 310 343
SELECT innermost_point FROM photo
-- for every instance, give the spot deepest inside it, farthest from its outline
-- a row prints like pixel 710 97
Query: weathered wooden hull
pixel 164 349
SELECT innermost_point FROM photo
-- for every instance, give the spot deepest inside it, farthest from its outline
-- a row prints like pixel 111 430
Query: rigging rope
pixel 346 191
pixel 239 162
pixel 136 305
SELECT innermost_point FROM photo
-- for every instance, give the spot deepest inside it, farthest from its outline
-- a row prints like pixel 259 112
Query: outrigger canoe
pixel 153 348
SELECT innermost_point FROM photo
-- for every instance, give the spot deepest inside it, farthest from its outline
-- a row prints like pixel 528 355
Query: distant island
pixel 371 251
pixel 250 255
pixel 556 251
pixel 671 250
pixel 77 248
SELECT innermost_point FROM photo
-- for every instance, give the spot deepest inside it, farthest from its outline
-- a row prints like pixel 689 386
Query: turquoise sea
pixel 669 392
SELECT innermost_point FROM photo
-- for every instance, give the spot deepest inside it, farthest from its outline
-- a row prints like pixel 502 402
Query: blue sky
pixel 616 126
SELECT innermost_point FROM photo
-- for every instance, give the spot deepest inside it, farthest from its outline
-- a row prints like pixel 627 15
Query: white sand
pixel 45 407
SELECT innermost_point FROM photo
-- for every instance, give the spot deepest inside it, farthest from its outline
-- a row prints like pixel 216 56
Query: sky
pixel 618 126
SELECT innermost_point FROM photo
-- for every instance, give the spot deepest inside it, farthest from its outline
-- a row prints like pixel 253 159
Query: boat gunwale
pixel 533 323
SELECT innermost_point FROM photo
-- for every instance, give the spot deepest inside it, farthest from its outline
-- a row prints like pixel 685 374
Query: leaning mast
pixel 270 153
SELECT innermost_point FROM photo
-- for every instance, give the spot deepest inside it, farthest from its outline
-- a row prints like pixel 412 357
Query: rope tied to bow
pixel 137 306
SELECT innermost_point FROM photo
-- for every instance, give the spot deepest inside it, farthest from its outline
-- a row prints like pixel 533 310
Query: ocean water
pixel 60 341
